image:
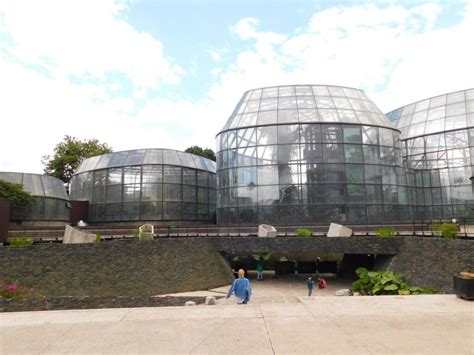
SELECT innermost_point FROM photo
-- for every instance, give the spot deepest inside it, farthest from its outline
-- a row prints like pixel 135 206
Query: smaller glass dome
pixel 37 185
pixel 147 157
pixel 305 104
pixel 437 114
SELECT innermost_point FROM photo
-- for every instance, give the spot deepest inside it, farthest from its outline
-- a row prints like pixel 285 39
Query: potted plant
pixel 464 285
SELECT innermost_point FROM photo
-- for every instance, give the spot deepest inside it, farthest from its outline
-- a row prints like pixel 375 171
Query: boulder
pixel 210 300
pixel 338 230
pixel 265 230
pixel 343 292
pixel 76 236
pixel 146 231
pixel 189 303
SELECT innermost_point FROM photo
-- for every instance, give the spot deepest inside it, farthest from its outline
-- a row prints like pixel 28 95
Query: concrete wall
pixel 118 268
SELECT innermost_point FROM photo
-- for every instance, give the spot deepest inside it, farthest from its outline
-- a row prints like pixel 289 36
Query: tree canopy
pixel 206 153
pixel 69 154
pixel 16 194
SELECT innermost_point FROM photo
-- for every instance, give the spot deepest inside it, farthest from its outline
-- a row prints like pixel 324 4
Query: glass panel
pixel 267 175
pixel 267 117
pixel 288 134
pixel 370 135
pixel 268 104
pixel 132 175
pixel 333 153
pixel 267 154
pixel 172 174
pixel 267 135
pixel 268 195
pixel 353 153
pixel 287 102
pixel 287 116
pixel 354 173
pixel 131 193
pixel 334 173
pixel 152 192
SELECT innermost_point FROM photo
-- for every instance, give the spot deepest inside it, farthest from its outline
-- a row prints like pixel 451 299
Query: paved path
pixel 431 324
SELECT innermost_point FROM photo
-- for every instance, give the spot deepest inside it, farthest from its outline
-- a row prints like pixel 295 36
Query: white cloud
pixel 395 53
pixel 85 38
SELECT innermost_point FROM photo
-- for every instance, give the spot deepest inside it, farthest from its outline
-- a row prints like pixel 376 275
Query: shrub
pixel 386 232
pixel 384 283
pixel 447 230
pixel 262 257
pixel 303 232
pixel 98 238
pixel 13 289
pixel 20 242
pixel 16 194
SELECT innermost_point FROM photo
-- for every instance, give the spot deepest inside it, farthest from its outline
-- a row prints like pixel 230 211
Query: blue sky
pixel 145 73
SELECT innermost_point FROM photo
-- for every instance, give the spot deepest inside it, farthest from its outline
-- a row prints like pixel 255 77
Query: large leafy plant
pixel 383 283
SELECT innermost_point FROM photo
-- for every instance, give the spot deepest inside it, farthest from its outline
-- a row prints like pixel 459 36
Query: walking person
pixel 310 285
pixel 241 288
pixel 260 271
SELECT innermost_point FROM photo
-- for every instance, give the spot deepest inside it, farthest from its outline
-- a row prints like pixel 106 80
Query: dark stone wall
pixel 347 245
pixel 430 262
pixel 116 268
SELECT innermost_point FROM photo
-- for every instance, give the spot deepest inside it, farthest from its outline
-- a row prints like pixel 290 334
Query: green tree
pixel 19 198
pixel 206 153
pixel 69 154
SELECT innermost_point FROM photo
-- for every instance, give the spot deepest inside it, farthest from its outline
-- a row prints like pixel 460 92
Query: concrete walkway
pixel 431 324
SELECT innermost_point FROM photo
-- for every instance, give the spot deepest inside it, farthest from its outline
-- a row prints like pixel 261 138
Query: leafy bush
pixel 20 242
pixel 13 289
pixel 383 283
pixel 98 238
pixel 386 232
pixel 262 257
pixel 447 230
pixel 303 232
pixel 16 194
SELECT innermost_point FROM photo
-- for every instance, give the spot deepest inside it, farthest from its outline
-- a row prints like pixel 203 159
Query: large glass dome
pixel 438 137
pixel 52 202
pixel 147 185
pixel 310 154
pixel 304 104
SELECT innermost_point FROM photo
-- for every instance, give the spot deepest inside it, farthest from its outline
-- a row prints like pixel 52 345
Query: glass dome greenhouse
pixel 310 154
pixel 147 185
pixel 52 201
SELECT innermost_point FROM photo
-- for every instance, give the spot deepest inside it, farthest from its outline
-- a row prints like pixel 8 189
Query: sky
pixel 168 73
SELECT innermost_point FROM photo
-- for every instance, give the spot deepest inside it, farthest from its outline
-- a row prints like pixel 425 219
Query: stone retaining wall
pixel 116 268
pixel 430 262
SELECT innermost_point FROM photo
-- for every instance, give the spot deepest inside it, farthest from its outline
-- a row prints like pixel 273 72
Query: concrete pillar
pixel 4 219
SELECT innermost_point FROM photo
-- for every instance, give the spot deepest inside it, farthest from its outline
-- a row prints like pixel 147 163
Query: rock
pixel 265 230
pixel 76 236
pixel 356 294
pixel 210 300
pixel 338 230
pixel 190 303
pixel 343 292
pixel 146 232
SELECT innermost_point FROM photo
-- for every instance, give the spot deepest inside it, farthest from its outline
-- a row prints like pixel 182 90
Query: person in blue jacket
pixel 310 284
pixel 241 288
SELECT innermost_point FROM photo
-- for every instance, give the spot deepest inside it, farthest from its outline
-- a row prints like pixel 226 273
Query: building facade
pixel 147 185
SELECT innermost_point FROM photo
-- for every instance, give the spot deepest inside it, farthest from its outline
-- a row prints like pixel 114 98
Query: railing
pixel 421 228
